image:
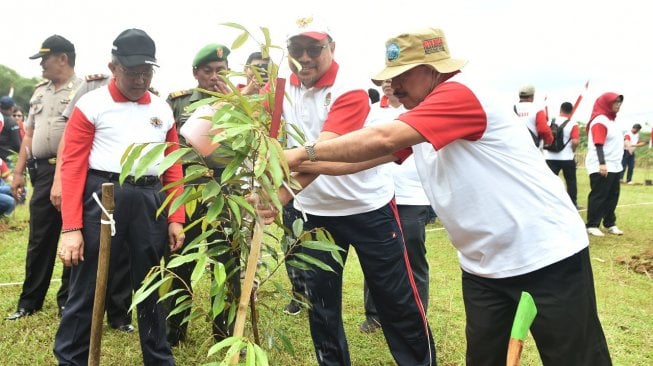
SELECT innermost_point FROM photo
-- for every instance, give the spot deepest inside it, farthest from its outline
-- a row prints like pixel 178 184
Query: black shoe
pixel 127 328
pixel 293 308
pixel 370 325
pixel 20 313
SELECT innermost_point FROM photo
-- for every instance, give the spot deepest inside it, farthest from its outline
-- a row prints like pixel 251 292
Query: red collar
pixel 118 97
pixel 328 79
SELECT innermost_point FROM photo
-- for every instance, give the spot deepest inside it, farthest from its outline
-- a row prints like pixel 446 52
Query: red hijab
pixel 603 106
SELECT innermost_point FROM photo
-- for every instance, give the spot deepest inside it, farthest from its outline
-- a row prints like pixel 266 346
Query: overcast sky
pixel 556 45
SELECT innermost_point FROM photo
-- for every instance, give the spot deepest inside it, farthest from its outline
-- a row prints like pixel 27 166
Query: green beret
pixel 211 52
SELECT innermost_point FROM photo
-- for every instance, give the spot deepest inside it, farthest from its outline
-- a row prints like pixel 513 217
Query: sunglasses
pixel 313 51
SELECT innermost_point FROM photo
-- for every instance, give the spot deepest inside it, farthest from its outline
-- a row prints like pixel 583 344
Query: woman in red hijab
pixel 603 163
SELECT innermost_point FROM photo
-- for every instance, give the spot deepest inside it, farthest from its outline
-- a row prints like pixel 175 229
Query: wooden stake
pixel 248 283
pixel 102 276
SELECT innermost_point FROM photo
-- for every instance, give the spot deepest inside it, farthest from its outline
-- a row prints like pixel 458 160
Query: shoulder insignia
pixel 94 77
pixel 41 83
pixel 180 93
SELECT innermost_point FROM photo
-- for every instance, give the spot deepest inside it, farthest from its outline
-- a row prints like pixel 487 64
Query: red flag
pixel 580 97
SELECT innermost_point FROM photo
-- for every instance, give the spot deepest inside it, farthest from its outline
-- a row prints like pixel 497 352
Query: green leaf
pixel 219 273
pixel 298 264
pixel 182 199
pixel 164 205
pixel 198 271
pixel 234 25
pixel 297 227
pixel 314 261
pixel 235 209
pixel 240 40
pixel 145 291
pixel 242 202
pixel 227 342
pixel 211 189
pixel 172 158
pixel 261 357
pixel 287 344
pixel 129 160
pixel 232 167
pixel 151 157
pixel 178 260
pixel 250 357
pixel 325 246
pixel 215 209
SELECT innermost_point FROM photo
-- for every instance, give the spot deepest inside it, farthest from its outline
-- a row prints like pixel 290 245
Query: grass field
pixel 624 298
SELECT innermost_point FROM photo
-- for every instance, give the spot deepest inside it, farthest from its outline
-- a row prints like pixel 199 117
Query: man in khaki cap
pixel 486 183
pixel 39 150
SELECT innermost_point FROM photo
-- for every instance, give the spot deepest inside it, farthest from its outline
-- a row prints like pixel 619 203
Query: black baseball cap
pixel 134 47
pixel 54 44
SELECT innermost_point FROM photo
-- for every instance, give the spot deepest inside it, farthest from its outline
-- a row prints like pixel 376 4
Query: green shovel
pixel 524 317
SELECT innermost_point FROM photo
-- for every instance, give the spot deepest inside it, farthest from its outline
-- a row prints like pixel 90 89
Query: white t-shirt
pixel 504 210
pixel 332 104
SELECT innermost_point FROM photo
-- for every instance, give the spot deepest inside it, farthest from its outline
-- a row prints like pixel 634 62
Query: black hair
pixel 374 95
pixel 566 107
pixel 255 56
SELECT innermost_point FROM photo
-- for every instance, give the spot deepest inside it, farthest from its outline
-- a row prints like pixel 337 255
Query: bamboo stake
pixel 248 283
pixel 102 276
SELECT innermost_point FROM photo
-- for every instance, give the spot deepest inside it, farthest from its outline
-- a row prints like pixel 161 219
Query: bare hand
pixel 176 236
pixel 18 186
pixel 603 170
pixel 294 157
pixel 265 211
pixel 55 194
pixel 72 248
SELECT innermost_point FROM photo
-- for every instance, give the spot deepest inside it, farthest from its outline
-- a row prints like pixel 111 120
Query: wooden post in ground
pixel 248 283
pixel 102 276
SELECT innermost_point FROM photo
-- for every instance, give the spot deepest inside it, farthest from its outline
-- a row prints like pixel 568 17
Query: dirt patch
pixel 642 263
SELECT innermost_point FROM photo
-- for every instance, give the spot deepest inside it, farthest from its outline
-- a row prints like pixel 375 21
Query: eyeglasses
pixel 137 74
pixel 297 51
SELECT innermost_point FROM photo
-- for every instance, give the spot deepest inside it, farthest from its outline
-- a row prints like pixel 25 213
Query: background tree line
pixel 23 87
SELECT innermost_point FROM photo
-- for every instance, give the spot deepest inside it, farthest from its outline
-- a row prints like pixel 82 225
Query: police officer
pixel 43 130
pixel 209 65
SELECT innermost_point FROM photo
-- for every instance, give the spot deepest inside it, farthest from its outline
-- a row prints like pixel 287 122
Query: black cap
pixel 134 47
pixel 54 44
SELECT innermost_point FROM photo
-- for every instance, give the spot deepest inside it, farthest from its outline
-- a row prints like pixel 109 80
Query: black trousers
pixel 228 256
pixel 290 214
pixel 377 238
pixel 45 228
pixel 568 168
pixel 44 231
pixel 413 226
pixel 144 236
pixel 628 163
pixel 567 330
pixel 603 199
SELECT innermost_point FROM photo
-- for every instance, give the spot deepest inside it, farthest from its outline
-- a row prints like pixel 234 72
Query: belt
pixel 51 161
pixel 145 180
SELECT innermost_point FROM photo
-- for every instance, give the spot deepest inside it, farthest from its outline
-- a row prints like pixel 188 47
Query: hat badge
pixel 392 51
pixel 219 52
pixel 304 22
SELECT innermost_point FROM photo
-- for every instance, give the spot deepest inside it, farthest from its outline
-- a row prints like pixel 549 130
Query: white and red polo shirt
pixel 504 210
pixel 606 132
pixel 337 105
pixel 103 124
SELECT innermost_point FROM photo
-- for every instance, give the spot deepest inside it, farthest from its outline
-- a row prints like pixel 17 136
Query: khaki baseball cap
pixel 424 47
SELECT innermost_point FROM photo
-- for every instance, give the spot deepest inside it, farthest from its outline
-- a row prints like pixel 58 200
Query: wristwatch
pixel 310 150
